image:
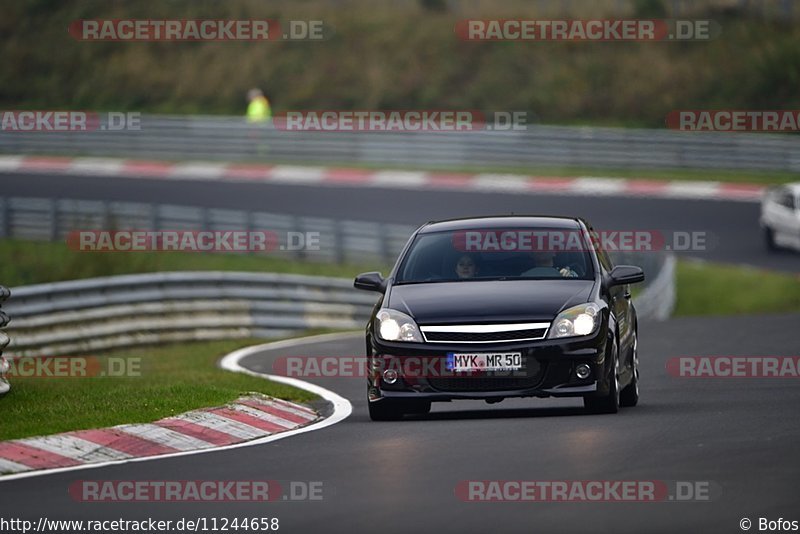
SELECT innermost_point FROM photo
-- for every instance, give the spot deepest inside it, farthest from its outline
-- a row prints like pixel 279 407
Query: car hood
pixel 488 301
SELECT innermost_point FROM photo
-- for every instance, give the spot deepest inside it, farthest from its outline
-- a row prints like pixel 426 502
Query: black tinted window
pixel 446 256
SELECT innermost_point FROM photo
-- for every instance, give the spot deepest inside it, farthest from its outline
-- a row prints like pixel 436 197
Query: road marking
pixel 266 416
pixel 10 163
pixel 164 436
pixel 95 166
pixel 124 442
pixel 197 171
pixel 284 412
pixel 32 457
pixel 7 466
pixel 74 447
pixel 403 179
pixel 294 174
pixel 200 432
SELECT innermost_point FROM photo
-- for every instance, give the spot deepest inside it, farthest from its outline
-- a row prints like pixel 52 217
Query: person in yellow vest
pixel 258 109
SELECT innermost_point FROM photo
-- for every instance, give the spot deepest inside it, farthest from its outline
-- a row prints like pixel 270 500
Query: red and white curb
pixel 248 418
pixel 331 176
pixel 251 420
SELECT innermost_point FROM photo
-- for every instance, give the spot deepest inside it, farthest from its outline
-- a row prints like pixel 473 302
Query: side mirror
pixel 626 274
pixel 373 281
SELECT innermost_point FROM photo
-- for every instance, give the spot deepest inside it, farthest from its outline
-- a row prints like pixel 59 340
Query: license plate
pixel 503 361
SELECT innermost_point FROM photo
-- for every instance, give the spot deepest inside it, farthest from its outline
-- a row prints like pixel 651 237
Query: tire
pixel 769 239
pixel 608 403
pixel 629 396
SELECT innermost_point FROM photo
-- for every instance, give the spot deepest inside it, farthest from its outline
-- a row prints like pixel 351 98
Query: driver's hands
pixel 566 272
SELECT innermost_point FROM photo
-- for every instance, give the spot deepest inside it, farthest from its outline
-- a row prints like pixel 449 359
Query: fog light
pixel 390 376
pixel 583 371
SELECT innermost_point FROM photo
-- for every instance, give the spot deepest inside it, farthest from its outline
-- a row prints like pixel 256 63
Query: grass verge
pixel 37 262
pixel 716 289
pixel 173 379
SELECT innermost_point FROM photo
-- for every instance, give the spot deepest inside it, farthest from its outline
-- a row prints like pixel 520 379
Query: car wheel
pixel 769 238
pixel 608 403
pixel 630 395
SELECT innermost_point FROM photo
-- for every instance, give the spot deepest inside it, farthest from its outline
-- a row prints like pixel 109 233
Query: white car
pixel 780 216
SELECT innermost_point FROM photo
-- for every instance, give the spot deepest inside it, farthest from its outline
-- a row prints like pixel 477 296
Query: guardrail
pixel 233 139
pixel 102 313
pixel 4 340
pixel 340 241
pixel 657 300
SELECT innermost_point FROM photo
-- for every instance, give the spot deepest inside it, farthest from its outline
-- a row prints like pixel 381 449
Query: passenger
pixel 544 266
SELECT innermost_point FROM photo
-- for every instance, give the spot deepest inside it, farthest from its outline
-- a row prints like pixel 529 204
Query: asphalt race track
pixel 740 435
pixel 732 227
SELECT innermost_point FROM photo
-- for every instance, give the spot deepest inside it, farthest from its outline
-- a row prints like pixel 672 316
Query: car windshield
pixel 475 255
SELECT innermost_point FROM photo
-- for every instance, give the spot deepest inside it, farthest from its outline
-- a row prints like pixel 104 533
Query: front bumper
pixel 548 370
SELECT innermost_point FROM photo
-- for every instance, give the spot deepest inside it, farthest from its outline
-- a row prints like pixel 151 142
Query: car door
pixel 620 302
pixel 793 223
pixel 783 213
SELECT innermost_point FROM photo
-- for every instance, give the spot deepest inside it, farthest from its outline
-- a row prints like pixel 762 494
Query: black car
pixel 496 307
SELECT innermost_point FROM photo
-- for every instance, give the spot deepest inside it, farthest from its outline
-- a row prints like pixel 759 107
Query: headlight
pixel 393 325
pixel 580 320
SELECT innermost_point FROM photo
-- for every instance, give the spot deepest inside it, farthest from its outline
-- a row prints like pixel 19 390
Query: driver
pixel 544 266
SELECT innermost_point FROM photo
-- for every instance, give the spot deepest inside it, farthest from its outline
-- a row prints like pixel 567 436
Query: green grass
pixel 38 262
pixel 173 379
pixel 715 289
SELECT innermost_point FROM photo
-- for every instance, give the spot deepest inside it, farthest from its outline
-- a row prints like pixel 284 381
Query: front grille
pixel 485 337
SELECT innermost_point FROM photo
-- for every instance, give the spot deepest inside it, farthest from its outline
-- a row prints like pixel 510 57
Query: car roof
pixel 502 221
